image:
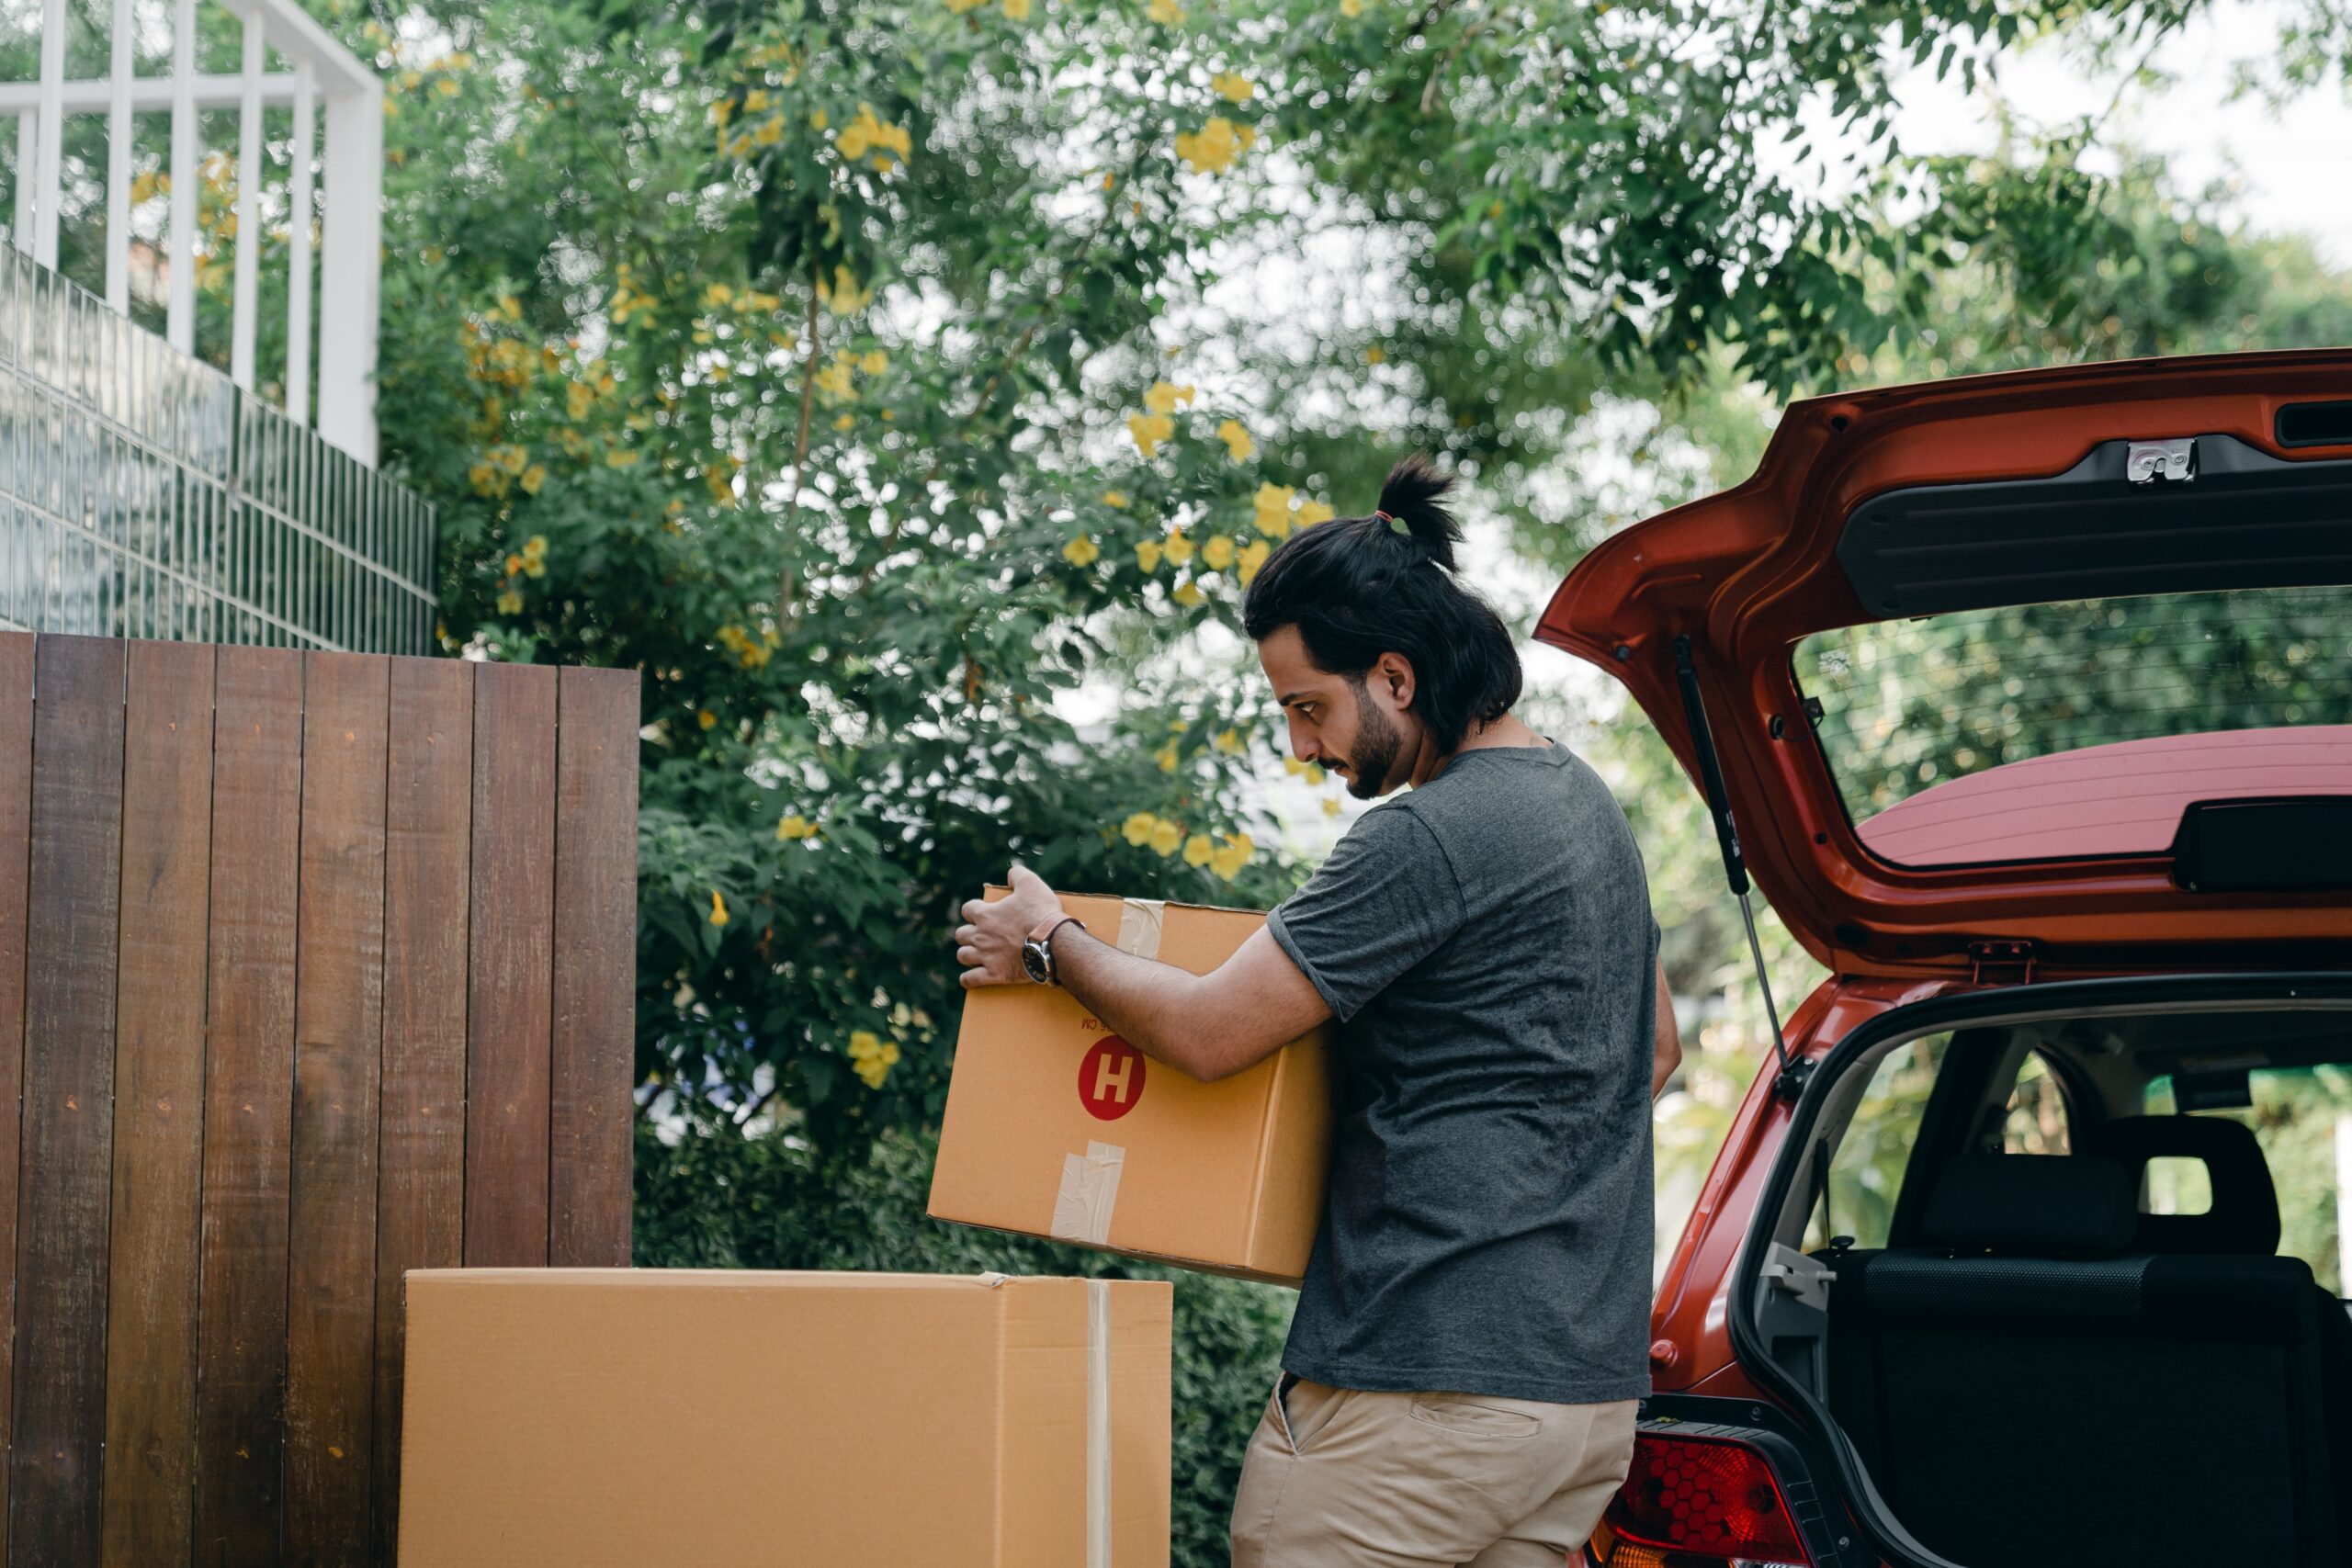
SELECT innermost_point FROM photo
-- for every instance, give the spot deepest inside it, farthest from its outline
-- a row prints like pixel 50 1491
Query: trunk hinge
pixel 2007 962
pixel 1791 1081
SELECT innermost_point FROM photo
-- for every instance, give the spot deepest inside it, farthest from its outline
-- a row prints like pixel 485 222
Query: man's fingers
pixel 1021 876
pixel 972 908
pixel 966 935
pixel 969 956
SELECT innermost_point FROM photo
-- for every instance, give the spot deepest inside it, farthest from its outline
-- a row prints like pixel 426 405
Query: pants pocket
pixel 1281 1412
pixel 1472 1417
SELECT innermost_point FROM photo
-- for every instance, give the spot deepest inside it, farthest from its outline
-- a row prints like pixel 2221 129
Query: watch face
pixel 1033 960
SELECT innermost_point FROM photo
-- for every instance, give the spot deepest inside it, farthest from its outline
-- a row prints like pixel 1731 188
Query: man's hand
pixel 988 942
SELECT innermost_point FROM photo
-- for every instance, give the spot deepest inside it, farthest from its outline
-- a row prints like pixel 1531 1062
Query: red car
pixel 2027 702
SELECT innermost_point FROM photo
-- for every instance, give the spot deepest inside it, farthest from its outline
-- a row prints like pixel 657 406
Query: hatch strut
pixel 1711 779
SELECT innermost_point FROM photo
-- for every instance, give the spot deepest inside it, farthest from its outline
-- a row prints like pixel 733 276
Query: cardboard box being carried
pixel 1057 1127
pixel 597 1418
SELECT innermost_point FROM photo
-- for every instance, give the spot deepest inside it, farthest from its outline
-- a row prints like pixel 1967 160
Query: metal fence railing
pixel 143 494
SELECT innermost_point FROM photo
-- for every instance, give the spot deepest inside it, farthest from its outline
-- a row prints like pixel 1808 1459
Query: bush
pixel 717 1198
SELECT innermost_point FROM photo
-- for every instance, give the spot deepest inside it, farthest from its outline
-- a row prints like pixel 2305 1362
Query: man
pixel 1471 1336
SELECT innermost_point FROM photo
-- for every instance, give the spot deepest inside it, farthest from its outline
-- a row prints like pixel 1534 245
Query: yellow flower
pixel 866 136
pixel 1167 756
pixel 513 564
pixel 834 382
pixel 1310 512
pixel 1232 89
pixel 1166 12
pixel 509 603
pixel 1214 148
pixel 1137 829
pixel 1080 551
pixel 1376 355
pixel 446 87
pixel 1115 497
pixel 577 398
pixel 1016 10
pixel 1147 556
pixel 1149 430
pixel 871 1056
pixel 1188 593
pixel 704 717
pixel 842 297
pixel 1253 555
pixel 1314 775
pixel 1227 741
pixel 1273 503
pixel 845 420
pixel 1352 8
pixel 873 361
pixel 1178 549
pixel 1236 440
pixel 510 458
pixel 1166 836
pixel 1218 553
pixel 532 478
pixel 1332 806
pixel 818 119
pixel 717 293
pixel 793 827
pixel 1164 397
pixel 1198 848
pixel 1236 853
pixel 717 909
pixel 620 457
pixel 1293 766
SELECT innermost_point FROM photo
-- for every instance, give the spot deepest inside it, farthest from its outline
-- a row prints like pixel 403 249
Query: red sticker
pixel 1110 1079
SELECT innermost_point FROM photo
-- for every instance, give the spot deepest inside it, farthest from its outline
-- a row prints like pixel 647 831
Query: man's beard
pixel 1378 740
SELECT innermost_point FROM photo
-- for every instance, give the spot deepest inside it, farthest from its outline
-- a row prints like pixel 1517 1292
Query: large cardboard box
pixel 1057 1127
pixel 704 1418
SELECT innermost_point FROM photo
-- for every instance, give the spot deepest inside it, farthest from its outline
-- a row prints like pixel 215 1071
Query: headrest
pixel 2033 1206
pixel 2243 1220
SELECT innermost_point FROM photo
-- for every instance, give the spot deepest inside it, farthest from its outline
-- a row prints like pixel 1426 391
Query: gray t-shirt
pixel 1486 945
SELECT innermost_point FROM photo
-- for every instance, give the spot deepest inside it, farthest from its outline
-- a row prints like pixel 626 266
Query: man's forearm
pixel 1146 1003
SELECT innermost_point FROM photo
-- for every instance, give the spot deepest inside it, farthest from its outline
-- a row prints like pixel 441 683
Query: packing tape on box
pixel 1098 1423
pixel 1140 922
pixel 1089 1191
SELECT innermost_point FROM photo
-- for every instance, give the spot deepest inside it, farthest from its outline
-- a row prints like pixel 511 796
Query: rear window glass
pixel 2303 1119
pixel 1865 1174
pixel 1914 715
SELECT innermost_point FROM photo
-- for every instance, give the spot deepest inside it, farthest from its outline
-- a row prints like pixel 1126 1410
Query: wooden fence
pixel 314 967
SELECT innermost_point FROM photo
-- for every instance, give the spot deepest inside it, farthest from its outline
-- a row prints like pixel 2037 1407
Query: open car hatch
pixel 2051 668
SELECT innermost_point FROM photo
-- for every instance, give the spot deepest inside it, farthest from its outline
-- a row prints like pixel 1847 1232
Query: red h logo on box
pixel 1110 1079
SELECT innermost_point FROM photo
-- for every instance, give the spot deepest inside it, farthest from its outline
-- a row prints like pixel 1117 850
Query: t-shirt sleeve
pixel 1385 900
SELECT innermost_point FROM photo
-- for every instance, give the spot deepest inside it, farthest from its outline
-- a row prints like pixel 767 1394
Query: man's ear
pixel 1393 674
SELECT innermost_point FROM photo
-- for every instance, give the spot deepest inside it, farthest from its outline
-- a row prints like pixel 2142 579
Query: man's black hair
pixel 1358 587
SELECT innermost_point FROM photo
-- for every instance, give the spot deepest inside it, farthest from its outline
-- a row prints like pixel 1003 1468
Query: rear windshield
pixel 1913 714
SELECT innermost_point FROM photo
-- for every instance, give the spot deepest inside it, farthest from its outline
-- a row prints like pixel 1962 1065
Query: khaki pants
pixel 1342 1477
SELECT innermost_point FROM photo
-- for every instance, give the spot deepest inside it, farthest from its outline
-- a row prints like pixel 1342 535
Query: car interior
pixel 2070 1286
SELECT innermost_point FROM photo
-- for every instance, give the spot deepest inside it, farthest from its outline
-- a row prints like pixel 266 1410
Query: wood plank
pixel 16 836
pixel 508 1016
pixel 66 1175
pixel 591 1113
pixel 248 1106
pixel 148 1512
pixel 338 1031
pixel 420 1181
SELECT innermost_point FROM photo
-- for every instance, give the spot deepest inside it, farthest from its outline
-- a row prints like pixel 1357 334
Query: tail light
pixel 1698 1503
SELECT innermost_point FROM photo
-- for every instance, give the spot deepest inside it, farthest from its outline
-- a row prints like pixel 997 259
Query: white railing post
pixel 119 153
pixel 179 316
pixel 48 179
pixel 297 282
pixel 349 264
pixel 240 317
pixel 20 227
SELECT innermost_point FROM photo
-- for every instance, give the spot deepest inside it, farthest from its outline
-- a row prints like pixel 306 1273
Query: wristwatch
pixel 1038 953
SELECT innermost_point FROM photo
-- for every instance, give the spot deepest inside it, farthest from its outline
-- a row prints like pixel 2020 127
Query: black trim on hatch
pixel 1885 1533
